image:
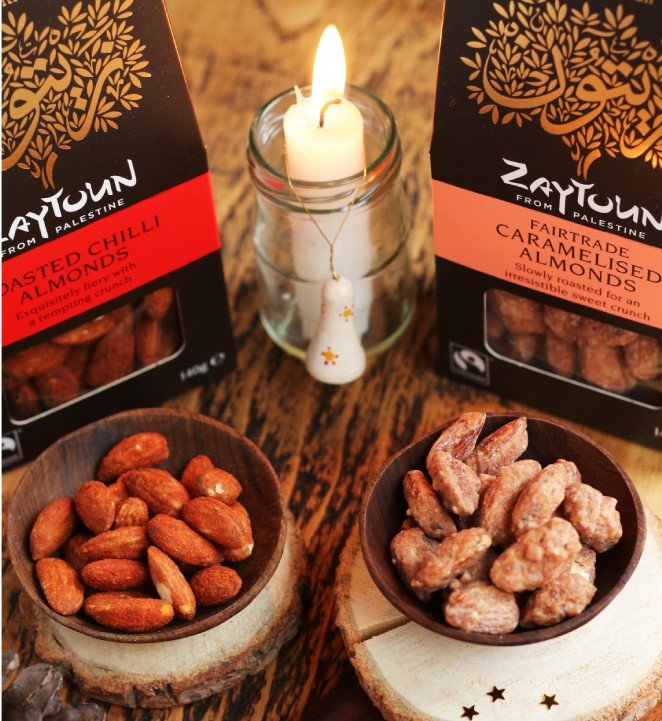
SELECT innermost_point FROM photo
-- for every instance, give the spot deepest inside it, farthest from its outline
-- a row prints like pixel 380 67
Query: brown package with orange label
pixel 547 167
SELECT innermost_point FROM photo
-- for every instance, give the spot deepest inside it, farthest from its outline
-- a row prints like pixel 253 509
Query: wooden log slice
pixel 608 670
pixel 170 673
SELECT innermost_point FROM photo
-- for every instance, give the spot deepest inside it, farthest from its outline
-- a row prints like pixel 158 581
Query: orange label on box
pixel 551 255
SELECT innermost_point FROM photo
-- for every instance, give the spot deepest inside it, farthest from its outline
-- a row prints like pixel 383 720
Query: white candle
pixel 324 142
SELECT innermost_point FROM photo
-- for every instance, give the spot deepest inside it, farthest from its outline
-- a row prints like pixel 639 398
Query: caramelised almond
pixel 71 551
pixel 60 584
pixel 459 439
pixel 128 612
pixel 140 450
pixel 130 542
pixel 214 520
pixel 501 448
pixel 161 492
pixel 215 585
pixel 52 528
pixel 217 483
pixel 115 574
pixel 131 511
pixel 196 466
pixel 170 583
pixel 182 543
pixel 95 504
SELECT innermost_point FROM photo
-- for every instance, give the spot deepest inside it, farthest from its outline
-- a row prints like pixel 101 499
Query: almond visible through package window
pixel 92 355
pixel 574 347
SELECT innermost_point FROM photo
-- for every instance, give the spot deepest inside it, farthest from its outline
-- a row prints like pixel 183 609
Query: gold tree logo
pixel 62 82
pixel 584 76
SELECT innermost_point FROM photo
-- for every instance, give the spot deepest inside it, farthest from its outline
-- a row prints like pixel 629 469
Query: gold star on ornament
pixel 329 356
pixel 496 694
pixel 347 313
pixel 469 712
pixel 549 701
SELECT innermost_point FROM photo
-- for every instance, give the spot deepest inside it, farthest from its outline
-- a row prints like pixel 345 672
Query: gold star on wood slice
pixel 496 693
pixel 549 701
pixel 469 712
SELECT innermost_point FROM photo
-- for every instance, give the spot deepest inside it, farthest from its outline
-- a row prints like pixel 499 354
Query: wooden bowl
pixel 73 460
pixel 383 511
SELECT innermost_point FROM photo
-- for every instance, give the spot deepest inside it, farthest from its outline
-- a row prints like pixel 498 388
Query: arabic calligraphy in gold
pixel 586 76
pixel 61 82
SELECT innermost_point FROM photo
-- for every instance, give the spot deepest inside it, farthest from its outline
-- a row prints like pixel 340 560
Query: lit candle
pixel 324 142
pixel 324 133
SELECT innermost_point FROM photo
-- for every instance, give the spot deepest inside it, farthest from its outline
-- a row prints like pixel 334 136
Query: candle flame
pixel 330 68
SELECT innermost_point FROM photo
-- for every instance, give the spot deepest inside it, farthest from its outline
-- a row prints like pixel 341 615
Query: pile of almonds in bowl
pixel 506 542
pixel 152 547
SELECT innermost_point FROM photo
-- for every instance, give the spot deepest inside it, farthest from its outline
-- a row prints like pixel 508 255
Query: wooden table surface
pixel 324 442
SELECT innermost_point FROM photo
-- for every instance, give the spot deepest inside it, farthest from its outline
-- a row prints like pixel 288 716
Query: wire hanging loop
pixel 331 242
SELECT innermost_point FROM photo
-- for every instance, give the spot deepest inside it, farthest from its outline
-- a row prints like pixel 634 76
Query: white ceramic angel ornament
pixel 335 354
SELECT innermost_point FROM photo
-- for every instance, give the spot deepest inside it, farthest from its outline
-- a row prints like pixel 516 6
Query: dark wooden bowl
pixel 383 510
pixel 73 460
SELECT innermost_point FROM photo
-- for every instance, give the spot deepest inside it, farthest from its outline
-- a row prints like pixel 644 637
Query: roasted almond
pixel 71 551
pixel 86 333
pixel 60 584
pixel 96 504
pixel 158 302
pixel 77 361
pixel 131 512
pixel 113 356
pixel 216 521
pixel 170 583
pixel 57 386
pixel 217 483
pixel 137 451
pixel 34 361
pixel 182 543
pixel 118 489
pixel 215 585
pixel 155 339
pixel 127 612
pixel 161 492
pixel 130 542
pixel 115 574
pixel 22 397
pixel 240 553
pixel 196 466
pixel 53 526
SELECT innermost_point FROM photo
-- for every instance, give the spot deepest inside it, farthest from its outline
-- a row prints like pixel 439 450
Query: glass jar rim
pixel 374 165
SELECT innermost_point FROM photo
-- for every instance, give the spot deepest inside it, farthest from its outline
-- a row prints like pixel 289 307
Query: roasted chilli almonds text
pixel 137 547
pixel 507 543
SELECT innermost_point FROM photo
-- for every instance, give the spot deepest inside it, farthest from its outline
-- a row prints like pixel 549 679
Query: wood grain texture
pixel 325 443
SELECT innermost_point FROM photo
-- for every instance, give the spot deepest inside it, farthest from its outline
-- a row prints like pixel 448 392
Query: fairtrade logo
pixel 469 363
pixel 584 76
pixel 11 448
pixel 60 83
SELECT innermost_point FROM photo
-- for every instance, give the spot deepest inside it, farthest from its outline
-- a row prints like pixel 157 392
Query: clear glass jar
pixel 293 258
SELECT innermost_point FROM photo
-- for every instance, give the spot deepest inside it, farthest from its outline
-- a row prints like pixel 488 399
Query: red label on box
pixel 551 255
pixel 108 258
